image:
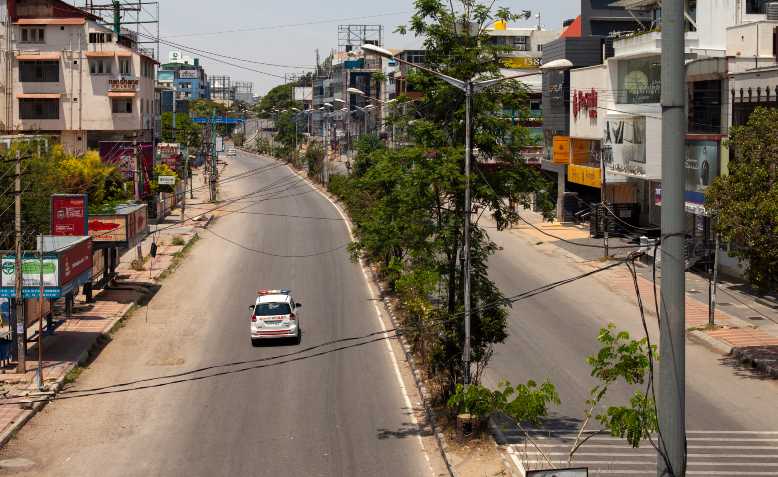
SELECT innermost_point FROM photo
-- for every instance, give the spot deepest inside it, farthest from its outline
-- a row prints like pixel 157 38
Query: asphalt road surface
pixel 731 412
pixel 212 403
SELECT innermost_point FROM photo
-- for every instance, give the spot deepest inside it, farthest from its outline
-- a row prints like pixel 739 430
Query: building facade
pixel 73 78
pixel 189 80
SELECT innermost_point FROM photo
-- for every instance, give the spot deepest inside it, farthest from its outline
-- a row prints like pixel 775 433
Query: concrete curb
pixel 714 344
pixel 8 433
pixel 421 388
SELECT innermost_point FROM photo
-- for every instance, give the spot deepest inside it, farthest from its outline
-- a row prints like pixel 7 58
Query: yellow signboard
pixel 581 151
pixel 521 62
pixel 561 149
pixel 585 175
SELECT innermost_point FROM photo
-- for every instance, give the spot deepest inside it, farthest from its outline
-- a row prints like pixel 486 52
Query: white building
pixel 71 77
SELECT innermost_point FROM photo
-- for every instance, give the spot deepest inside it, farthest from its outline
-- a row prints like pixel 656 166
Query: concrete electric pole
pixel 671 406
pixel 21 324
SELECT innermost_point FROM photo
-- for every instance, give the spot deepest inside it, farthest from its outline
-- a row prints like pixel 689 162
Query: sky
pixel 287 33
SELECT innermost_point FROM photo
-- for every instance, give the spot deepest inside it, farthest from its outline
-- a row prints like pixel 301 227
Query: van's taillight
pixel 292 317
pixel 254 318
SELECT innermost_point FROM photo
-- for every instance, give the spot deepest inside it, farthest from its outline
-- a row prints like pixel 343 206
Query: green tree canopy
pixel 745 202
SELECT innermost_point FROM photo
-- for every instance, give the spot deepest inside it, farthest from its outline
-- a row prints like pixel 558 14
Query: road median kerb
pixel 83 358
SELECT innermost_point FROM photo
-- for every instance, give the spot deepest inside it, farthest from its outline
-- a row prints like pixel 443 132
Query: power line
pixel 287 25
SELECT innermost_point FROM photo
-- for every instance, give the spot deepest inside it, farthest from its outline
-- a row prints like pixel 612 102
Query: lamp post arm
pixel 457 83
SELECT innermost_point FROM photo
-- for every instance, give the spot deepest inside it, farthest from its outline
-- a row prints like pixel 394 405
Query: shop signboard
pixel 584 175
pixel 583 151
pixel 522 62
pixel 166 180
pixel 585 103
pixel 624 145
pixel 188 74
pixel 69 214
pixel 561 154
pixel 169 154
pixel 124 85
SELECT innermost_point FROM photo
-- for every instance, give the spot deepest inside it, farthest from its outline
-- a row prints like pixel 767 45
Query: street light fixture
pixel 470 87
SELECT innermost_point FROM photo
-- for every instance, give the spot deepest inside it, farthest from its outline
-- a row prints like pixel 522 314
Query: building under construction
pixel 244 91
pixel 348 67
pixel 222 90
pixel 138 22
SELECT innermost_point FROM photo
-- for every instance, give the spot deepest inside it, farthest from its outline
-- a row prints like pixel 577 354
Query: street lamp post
pixel 469 87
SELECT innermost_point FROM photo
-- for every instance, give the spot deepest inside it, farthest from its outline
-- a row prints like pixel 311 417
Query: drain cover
pixel 16 463
pixel 756 318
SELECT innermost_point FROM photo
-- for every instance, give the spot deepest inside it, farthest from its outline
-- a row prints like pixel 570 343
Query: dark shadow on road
pixel 743 370
pixel 406 430
pixel 240 367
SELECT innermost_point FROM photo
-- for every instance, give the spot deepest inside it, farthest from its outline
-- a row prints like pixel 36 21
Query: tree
pixel 187 132
pixel 204 108
pixel 281 97
pixel 744 203
pixel 408 204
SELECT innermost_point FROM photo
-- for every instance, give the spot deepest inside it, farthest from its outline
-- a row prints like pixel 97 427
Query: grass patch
pixel 178 257
pixel 73 374
pixel 178 241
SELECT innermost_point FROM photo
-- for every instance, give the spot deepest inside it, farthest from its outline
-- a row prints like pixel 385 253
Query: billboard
pixel 639 81
pixel 624 145
pixel 122 154
pixel 69 214
pixel 303 93
pixel 108 228
pixel 521 62
pixel 701 165
pixel 74 261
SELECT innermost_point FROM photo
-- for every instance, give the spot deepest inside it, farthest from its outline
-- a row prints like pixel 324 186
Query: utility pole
pixel 21 324
pixel 39 369
pixel 604 200
pixel 214 156
pixel 138 185
pixel 186 181
pixel 671 405
pixel 468 206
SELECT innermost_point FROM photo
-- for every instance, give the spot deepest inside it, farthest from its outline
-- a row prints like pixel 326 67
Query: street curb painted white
pixel 442 445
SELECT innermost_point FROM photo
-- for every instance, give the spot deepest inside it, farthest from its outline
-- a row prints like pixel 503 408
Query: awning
pixel 100 54
pixel 121 94
pixel 34 55
pixel 123 53
pixel 38 95
pixel 50 21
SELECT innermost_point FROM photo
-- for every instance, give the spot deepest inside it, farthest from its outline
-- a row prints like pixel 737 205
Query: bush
pixel 238 139
pixel 314 159
pixel 526 403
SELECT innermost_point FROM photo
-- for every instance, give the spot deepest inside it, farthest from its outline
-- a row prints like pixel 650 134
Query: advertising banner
pixel 122 154
pixel 108 228
pixel 74 261
pixel 702 165
pixel 521 62
pixel 69 214
pixel 31 270
pixel 624 148
pixel 640 81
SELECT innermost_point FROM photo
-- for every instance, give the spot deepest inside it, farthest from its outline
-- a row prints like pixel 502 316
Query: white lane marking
pixel 384 329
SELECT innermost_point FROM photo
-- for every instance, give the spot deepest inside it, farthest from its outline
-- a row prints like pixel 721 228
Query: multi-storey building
pixel 188 78
pixel 70 77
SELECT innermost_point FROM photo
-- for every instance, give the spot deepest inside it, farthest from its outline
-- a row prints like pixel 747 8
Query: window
pixel 125 67
pixel 100 37
pixel 33 35
pixel 39 71
pixel 121 105
pixel 271 309
pixel 100 66
pixel 755 6
pixel 38 109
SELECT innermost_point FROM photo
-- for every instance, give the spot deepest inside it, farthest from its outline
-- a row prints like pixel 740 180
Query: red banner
pixel 69 215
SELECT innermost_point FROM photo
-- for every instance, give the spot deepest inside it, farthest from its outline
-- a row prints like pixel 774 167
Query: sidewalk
pixel 78 340
pixel 746 326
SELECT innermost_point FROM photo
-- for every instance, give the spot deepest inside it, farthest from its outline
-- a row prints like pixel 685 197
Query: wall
pixel 751 40
pixel 713 18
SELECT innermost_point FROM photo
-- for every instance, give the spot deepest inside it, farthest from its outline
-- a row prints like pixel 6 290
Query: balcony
pixel 640 44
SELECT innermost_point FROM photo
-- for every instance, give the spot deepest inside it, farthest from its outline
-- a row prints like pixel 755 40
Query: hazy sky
pixel 288 32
